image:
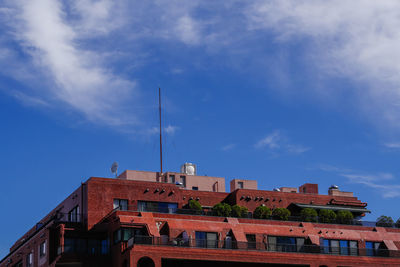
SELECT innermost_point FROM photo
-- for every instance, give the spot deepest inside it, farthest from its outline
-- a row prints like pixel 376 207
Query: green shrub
pixel 384 221
pixel 281 214
pixel 398 223
pixel 239 211
pixel 327 216
pixel 308 215
pixel 344 217
pixel 194 205
pixel 222 209
pixel 262 212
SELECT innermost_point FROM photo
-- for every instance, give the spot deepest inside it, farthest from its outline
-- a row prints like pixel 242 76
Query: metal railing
pixel 257 246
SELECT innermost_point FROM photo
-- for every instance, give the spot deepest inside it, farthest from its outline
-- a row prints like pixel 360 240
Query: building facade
pixel 143 219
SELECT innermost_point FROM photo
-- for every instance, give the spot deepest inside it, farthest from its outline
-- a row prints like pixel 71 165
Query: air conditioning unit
pixel 189 169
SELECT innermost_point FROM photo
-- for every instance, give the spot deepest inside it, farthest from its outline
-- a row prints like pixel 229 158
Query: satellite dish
pixel 114 168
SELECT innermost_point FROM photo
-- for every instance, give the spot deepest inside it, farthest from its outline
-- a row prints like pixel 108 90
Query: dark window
pixel 124 234
pixel 29 260
pixel 171 179
pixel 121 204
pixel 195 188
pixel 251 241
pixel 206 240
pixel 240 185
pixel 375 248
pixel 162 207
pixel 183 181
pixel 73 215
pixel 18 264
pixel 42 249
pixel 339 247
pixel 285 243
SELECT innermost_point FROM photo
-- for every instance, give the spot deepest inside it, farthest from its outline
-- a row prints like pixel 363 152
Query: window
pixel 183 180
pixel 42 249
pixel 171 179
pixel 121 204
pixel 340 247
pixel 206 240
pixel 29 260
pixel 18 264
pixel 240 185
pixel 375 248
pixel 195 188
pixel 73 215
pixel 124 234
pixel 285 243
pixel 162 207
pixel 251 241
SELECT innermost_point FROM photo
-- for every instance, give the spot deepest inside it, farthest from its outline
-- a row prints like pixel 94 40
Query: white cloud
pixel 228 147
pixel 75 77
pixel 170 130
pixel 356 39
pixel 376 181
pixel 278 142
pixel 379 181
pixel 392 145
pixel 271 141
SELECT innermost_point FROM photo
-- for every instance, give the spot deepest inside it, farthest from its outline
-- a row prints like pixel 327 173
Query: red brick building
pixel 142 219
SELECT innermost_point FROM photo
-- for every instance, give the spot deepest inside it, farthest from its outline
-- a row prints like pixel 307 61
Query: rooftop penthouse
pixel 181 219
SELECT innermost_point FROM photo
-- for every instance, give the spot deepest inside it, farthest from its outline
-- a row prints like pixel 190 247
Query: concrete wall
pixel 247 184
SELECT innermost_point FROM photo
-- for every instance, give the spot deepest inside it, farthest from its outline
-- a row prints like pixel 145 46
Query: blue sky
pixel 284 92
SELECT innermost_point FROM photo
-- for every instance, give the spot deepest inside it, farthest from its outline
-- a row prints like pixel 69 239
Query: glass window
pixel 251 241
pixel 29 260
pixel 183 181
pixel 342 247
pixel 240 185
pixel 285 243
pixel 353 248
pixel 42 249
pixel 73 215
pixel 162 207
pixel 326 246
pixel 195 188
pixel 171 179
pixel 205 239
pixel 121 204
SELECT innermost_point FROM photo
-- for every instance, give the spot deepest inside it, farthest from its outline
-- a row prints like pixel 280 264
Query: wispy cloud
pixel 228 147
pixel 74 75
pixel 384 182
pixel 392 145
pixel 70 44
pixel 358 40
pixel 170 130
pixel 271 140
pixel 278 142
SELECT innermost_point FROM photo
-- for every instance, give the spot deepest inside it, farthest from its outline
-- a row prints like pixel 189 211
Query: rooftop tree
pixel 262 212
pixel 222 209
pixel 308 215
pixel 239 211
pixel 344 217
pixel 281 214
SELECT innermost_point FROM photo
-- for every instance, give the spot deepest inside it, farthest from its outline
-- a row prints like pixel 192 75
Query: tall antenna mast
pixel 159 109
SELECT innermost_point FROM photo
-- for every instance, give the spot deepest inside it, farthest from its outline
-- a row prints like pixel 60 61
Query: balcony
pixel 261 247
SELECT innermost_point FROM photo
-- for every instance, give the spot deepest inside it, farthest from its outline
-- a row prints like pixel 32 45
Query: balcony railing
pixel 256 246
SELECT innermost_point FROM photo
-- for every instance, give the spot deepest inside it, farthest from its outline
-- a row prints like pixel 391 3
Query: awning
pixel 332 207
